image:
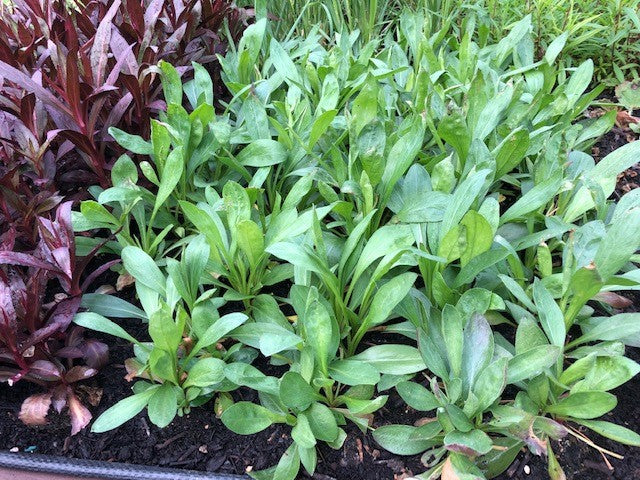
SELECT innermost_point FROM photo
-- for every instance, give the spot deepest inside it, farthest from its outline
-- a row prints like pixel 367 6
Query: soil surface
pixel 201 442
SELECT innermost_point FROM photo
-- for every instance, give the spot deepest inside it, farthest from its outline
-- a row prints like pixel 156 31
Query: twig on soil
pixel 588 441
pixel 169 441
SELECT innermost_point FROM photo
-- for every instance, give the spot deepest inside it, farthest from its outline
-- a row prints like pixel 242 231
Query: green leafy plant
pixel 181 366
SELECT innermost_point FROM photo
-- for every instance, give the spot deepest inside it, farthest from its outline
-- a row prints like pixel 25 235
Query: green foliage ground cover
pixel 414 184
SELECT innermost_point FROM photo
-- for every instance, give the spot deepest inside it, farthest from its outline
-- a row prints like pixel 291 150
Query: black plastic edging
pixel 76 468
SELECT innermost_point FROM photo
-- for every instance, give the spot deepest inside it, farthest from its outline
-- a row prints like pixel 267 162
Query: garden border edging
pixel 94 469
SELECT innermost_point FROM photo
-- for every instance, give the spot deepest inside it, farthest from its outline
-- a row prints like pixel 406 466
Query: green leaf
pixel 320 126
pixel 472 443
pixel 549 313
pixel 477 350
pixel 364 109
pixel 142 267
pixel 319 331
pixel 171 174
pixel 262 153
pixel 219 329
pixel 615 432
pixel 387 298
pixel 236 203
pixel 251 241
pixel 269 338
pixel 585 405
pixel 352 372
pixel 385 240
pixel 498 460
pixel 283 63
pixel 322 422
pixel 165 332
pixel 94 321
pixel 400 439
pixel 479 236
pixel 555 47
pixel 371 143
pixel 452 332
pixel 205 372
pixel 453 130
pixel 532 362
pixel 295 392
pixel 605 174
pixel 302 434
pixel 246 418
pixel 111 306
pixel 402 155
pixel 163 406
pixel 538 196
pixel 510 153
pixel 463 197
pixel 619 244
pixel 490 383
pixel 133 143
pixel 492 113
pixel 417 397
pixel 392 359
pixel 289 464
pixel 122 411
pixel 171 83
pixel 612 328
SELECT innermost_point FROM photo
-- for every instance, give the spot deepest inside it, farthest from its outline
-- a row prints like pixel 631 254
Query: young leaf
pixel 392 359
pixel 123 411
pixel 246 418
pixel 584 405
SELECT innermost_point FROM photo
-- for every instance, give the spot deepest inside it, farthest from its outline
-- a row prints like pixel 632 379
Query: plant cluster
pixel 67 74
pixel 38 342
pixel 605 31
pixel 420 184
pixel 70 74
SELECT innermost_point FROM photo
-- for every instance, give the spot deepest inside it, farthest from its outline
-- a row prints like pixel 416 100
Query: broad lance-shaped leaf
pixel 295 392
pixel 399 439
pixel 534 199
pixel 621 241
pixel 549 313
pixel 463 197
pixel 477 350
pixel 246 418
pixel 133 143
pixel 532 362
pixel 205 373
pixel 219 329
pixel 617 327
pixel 171 174
pixel 111 306
pixel 584 405
pixel 604 173
pixel 319 331
pixel 142 267
pixel 472 443
pixel 615 432
pixel 392 359
pixel 388 297
pixel 163 407
pixel 353 372
pixel 96 322
pixel 262 153
pixel 123 411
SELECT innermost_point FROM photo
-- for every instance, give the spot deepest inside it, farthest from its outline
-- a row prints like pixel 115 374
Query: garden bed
pixel 200 442
pixel 316 255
